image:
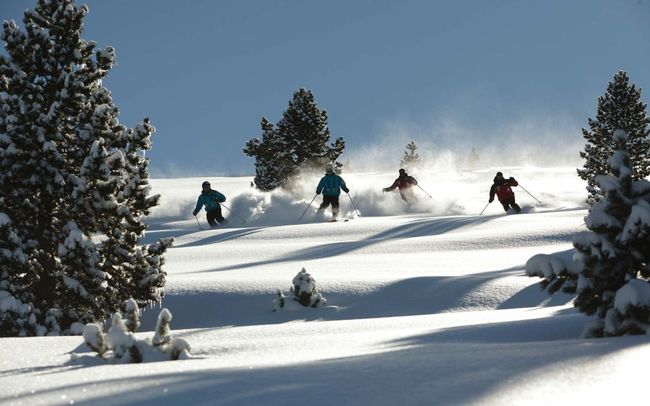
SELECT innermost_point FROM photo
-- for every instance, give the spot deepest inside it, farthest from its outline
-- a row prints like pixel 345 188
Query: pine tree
pixel 411 158
pixel 70 175
pixel 272 158
pixel 616 250
pixel 304 128
pixel 620 108
pixel 298 141
pixel 611 270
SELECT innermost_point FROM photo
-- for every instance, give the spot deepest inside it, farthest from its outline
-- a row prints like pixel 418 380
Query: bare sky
pixel 447 74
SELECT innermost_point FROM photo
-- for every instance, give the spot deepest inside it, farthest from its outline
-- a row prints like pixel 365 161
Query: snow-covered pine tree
pixel 70 171
pixel 411 159
pixel 616 250
pixel 611 269
pixel 298 140
pixel 619 108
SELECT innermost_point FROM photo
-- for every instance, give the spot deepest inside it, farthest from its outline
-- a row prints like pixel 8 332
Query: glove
pixel 195 212
pixel 491 200
pixel 346 190
pixel 384 190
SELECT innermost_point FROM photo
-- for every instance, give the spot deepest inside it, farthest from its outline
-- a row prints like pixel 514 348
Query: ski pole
pixel 425 192
pixel 530 195
pixel 233 213
pixel 484 209
pixel 197 222
pixel 355 207
pixel 308 206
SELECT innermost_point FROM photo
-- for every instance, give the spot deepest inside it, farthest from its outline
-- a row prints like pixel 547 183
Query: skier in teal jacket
pixel 331 185
pixel 210 199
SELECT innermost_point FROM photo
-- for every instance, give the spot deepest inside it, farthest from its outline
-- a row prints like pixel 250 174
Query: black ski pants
pixel 334 201
pixel 214 216
pixel 510 202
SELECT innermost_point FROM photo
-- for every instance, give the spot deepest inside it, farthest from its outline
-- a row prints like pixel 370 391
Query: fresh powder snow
pixel 428 304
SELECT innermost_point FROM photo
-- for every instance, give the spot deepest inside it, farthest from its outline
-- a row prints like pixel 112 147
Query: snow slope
pixel 426 305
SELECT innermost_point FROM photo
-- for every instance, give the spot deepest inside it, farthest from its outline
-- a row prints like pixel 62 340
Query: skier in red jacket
pixel 405 184
pixel 502 188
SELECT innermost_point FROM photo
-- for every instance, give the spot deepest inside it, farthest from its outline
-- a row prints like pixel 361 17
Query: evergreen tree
pixel 411 158
pixel 620 108
pixel 272 158
pixel 69 171
pixel 611 269
pixel 616 250
pixel 299 140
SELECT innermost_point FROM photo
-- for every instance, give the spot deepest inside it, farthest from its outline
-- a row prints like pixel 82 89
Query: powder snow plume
pixel 442 190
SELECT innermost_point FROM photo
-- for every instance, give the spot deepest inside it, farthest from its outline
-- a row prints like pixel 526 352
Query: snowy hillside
pixel 425 305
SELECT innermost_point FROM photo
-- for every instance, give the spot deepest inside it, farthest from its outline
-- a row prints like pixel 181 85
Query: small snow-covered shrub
pixel 121 346
pixel 132 316
pixel 279 301
pixel 304 291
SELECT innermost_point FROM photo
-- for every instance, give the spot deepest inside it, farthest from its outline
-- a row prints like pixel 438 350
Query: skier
pixel 405 185
pixel 502 188
pixel 210 199
pixel 331 185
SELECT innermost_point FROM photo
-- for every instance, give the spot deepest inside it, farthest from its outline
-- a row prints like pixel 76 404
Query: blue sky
pixel 447 74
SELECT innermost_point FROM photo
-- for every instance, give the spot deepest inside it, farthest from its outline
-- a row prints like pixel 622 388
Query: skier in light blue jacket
pixel 331 185
pixel 210 199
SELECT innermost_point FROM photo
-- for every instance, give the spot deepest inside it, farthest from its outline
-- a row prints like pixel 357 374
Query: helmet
pixel 329 169
pixel 206 183
pixel 500 174
pixel 402 171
